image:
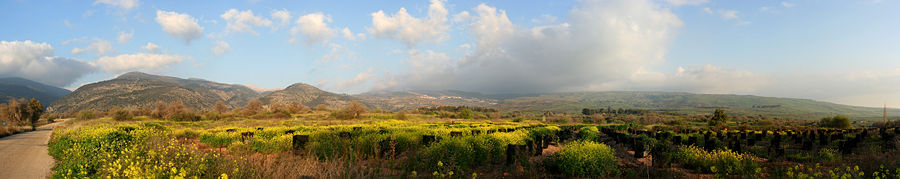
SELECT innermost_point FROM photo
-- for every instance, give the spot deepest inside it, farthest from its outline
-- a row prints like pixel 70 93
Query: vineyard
pixel 422 146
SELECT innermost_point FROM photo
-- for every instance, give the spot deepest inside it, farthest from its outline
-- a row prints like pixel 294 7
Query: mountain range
pixel 136 89
pixel 14 88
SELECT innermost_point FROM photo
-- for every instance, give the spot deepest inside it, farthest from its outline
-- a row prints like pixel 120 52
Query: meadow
pixel 428 143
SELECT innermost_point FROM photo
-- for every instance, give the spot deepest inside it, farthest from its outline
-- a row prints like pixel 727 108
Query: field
pixel 423 144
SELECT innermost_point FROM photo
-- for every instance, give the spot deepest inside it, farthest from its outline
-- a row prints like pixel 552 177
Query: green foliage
pixel 584 158
pixel 837 121
pixel 720 162
pixel 719 118
pixel 121 114
pixel 86 115
pixel 589 133
pixel 463 153
pixel 465 114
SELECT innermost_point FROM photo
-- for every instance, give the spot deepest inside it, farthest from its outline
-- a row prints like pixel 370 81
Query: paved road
pixel 24 155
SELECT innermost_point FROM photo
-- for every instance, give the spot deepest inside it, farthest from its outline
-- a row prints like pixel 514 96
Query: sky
pixel 842 51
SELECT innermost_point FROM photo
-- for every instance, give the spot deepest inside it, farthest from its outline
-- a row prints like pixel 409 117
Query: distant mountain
pixel 136 89
pixel 404 100
pixel 14 88
pixel 688 103
pixel 307 95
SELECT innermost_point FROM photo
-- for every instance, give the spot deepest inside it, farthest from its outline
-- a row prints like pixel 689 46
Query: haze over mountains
pixel 15 87
pixel 136 89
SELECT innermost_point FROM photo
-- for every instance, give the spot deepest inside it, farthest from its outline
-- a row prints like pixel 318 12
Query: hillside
pixel 688 103
pixel 400 100
pixel 14 88
pixel 307 95
pixel 135 89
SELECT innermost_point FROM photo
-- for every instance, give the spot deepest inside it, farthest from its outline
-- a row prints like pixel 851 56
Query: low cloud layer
pixel 35 61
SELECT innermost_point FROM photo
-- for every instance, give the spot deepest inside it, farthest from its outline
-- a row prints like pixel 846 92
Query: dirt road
pixel 24 155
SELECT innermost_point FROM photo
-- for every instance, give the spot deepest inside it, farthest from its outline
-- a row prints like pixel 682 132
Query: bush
pixel 463 153
pixel 85 115
pixel 584 158
pixel 838 121
pixel 717 161
pixel 121 114
pixel 589 133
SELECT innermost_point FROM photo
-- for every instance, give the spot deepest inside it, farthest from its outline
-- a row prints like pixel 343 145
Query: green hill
pixel 688 103
pixel 307 95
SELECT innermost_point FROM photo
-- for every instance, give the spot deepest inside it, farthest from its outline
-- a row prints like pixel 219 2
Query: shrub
pixel 589 133
pixel 584 158
pixel 837 121
pixel 717 161
pixel 465 114
pixel 121 114
pixel 463 153
pixel 85 115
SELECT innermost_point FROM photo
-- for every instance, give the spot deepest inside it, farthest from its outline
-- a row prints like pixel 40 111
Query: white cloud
pixel 707 10
pixel 221 48
pixel 686 2
pixel 125 37
pixel 284 16
pixel 357 81
pixel 314 27
pixel 244 21
pixel 601 44
pixel 728 14
pixel 100 47
pixel 179 25
pixel 138 61
pixel 125 5
pixel 35 61
pixel 411 30
pixel 347 34
pixel 338 52
pixel 787 4
pixel 151 47
pixel 69 24
pixel 765 9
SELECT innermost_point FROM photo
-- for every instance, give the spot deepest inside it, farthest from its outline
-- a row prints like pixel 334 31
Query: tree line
pixel 21 111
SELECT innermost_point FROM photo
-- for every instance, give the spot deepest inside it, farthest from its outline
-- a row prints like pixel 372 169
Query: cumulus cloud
pixel 411 30
pixel 125 5
pixel 314 28
pixel 138 61
pixel 35 61
pixel 151 47
pixel 602 42
pixel 179 25
pixel 221 48
pixel 283 16
pixel 100 47
pixel 125 37
pixel 244 21
pixel 686 2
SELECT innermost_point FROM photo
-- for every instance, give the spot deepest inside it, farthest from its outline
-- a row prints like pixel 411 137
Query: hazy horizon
pixel 837 51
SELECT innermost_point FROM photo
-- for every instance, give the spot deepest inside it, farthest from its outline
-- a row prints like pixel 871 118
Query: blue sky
pixel 839 51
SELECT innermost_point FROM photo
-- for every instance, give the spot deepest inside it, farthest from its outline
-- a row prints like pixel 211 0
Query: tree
pixel 220 107
pixel 35 110
pixel 120 114
pixel 719 118
pixel 321 107
pixel 297 107
pixel 356 108
pixel 159 110
pixel 465 114
pixel 837 121
pixel 252 107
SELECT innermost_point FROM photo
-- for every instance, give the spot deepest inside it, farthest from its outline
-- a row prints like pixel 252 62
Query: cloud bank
pixel 35 61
